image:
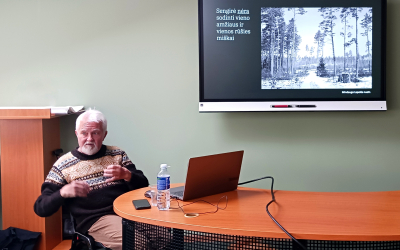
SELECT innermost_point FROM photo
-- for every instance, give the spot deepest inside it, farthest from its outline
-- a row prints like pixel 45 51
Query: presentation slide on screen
pixel 252 50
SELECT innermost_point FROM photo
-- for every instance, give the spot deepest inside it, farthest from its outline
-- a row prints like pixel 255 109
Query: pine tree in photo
pixel 327 25
pixel 366 24
pixel 321 71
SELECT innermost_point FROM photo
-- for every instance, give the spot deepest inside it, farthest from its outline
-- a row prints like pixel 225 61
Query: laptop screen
pixel 212 174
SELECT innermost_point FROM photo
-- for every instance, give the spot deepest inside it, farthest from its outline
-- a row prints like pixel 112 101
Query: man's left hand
pixel 116 172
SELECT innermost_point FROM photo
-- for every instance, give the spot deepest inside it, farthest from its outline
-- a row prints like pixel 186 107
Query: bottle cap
pixel 163 166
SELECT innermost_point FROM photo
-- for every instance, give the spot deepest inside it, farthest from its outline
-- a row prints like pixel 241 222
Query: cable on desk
pixel 217 206
pixel 269 203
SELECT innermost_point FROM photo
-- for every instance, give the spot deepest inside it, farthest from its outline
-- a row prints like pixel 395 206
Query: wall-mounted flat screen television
pixel 292 55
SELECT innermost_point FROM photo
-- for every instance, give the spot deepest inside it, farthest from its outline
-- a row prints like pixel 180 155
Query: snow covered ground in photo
pixel 312 81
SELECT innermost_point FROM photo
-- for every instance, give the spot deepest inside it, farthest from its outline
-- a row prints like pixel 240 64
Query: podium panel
pixel 27 140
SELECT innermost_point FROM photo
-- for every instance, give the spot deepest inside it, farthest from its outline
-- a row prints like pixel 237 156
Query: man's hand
pixel 116 172
pixel 75 189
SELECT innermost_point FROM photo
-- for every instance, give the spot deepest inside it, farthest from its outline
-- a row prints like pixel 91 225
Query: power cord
pixel 217 206
pixel 273 200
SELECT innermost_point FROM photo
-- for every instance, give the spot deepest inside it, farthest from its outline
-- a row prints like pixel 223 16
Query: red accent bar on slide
pixel 281 106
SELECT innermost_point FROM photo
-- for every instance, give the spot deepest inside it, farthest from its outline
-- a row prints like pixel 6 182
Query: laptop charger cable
pixel 269 203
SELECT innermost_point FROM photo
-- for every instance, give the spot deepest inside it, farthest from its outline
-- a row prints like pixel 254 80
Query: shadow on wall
pixel 67 132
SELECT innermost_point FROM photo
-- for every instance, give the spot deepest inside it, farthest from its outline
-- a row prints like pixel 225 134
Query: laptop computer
pixel 211 174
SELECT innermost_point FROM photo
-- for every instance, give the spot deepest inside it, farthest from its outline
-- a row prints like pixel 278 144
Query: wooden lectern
pixel 27 139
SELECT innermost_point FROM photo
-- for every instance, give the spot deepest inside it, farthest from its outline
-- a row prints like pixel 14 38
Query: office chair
pixel 82 241
pixel 85 242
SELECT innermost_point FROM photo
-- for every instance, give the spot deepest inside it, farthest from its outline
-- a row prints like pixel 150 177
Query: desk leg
pixel 128 234
pixel 297 246
pixel 178 239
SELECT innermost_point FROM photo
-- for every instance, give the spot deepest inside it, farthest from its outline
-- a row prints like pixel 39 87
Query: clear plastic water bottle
pixel 163 195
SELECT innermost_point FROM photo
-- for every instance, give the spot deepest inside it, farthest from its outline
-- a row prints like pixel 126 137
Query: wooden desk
pixel 363 216
pixel 28 137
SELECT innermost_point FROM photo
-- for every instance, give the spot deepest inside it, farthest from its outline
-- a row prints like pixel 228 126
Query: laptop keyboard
pixel 177 194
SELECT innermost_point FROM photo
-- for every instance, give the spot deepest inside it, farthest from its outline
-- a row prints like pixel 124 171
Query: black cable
pixel 217 206
pixel 273 200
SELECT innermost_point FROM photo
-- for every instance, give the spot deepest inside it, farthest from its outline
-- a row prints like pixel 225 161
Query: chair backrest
pixel 81 241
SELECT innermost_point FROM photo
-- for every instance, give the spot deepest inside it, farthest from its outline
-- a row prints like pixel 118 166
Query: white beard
pixel 89 149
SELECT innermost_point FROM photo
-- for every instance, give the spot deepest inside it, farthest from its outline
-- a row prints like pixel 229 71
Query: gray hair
pixel 92 116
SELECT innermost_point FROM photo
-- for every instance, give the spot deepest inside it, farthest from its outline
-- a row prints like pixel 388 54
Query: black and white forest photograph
pixel 316 48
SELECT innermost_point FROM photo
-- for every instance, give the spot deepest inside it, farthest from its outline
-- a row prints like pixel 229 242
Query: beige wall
pixel 137 61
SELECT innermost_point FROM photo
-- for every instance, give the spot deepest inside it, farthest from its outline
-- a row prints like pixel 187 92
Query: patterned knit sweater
pixel 90 168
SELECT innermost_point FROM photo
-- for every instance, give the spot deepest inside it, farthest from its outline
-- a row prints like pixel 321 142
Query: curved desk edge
pixel 383 209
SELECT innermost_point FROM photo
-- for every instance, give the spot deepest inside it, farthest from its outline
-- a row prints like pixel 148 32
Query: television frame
pixel 350 103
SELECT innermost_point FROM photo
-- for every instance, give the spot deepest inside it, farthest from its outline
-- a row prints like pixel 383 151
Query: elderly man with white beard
pixel 88 179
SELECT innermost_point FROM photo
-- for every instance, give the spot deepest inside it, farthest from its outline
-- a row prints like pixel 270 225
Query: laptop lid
pixel 212 174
